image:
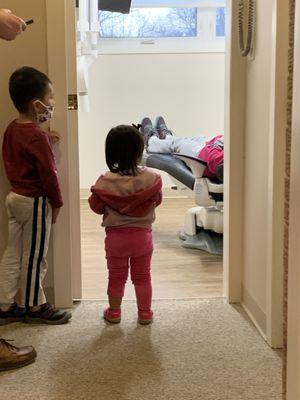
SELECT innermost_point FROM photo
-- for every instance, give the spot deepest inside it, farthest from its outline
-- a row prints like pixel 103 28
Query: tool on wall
pixel 246 47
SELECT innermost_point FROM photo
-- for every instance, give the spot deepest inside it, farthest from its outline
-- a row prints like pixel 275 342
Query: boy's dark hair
pixel 124 147
pixel 27 84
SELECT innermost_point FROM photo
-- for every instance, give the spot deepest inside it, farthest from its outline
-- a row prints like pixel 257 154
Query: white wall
pixel 187 89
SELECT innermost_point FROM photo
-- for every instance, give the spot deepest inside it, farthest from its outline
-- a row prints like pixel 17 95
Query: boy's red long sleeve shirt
pixel 29 162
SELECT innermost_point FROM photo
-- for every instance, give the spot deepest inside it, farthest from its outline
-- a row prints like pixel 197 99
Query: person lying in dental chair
pixel 197 164
pixel 159 138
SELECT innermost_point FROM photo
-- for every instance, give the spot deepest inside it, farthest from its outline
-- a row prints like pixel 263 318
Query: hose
pixel 246 48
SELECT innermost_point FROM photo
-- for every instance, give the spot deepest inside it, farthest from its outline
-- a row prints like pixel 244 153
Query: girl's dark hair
pixel 27 84
pixel 124 147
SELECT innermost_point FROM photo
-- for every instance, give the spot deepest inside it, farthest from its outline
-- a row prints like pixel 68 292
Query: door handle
pixel 72 102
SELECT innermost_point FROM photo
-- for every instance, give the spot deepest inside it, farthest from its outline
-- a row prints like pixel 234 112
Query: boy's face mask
pixel 45 115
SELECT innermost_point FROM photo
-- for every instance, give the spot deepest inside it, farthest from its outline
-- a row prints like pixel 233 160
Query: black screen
pixel 122 6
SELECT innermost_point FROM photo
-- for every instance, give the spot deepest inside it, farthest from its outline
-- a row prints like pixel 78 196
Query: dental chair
pixel 203 224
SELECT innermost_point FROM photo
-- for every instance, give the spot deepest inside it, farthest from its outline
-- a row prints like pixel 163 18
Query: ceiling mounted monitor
pixel 121 6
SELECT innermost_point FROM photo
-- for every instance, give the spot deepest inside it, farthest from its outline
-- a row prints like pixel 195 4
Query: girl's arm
pixel 158 199
pixel 96 204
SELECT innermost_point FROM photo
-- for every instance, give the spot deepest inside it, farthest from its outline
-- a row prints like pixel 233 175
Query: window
pixel 220 22
pixel 149 23
pixel 164 26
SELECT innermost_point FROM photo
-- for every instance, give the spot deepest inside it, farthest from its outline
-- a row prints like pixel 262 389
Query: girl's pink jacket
pixel 126 200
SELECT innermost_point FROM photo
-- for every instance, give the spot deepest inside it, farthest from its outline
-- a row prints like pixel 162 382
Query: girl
pixel 127 196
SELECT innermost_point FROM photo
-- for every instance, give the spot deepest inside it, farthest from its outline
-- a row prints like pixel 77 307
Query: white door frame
pixel 235 89
pixel 293 338
pixel 66 237
pixel 61 40
pixel 277 166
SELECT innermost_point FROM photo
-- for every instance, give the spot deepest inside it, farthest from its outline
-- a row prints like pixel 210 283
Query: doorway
pixel 234 245
pixel 187 89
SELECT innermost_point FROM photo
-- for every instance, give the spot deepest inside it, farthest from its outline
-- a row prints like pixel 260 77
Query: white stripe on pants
pixel 23 265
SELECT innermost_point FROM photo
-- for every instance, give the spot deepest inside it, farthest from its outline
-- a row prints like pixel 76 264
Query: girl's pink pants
pixel 130 247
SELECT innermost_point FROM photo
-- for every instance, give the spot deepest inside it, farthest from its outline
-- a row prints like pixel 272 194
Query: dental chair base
pixel 209 218
pixel 203 224
pixel 203 228
pixel 204 240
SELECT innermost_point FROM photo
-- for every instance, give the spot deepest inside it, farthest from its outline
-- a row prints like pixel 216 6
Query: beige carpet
pixel 195 349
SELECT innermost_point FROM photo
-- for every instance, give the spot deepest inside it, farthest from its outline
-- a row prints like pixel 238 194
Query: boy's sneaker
pixel 47 314
pixel 12 357
pixel 162 129
pixel 145 317
pixel 147 130
pixel 14 314
pixel 112 316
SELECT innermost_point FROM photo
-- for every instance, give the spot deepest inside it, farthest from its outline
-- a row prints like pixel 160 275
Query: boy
pixel 33 203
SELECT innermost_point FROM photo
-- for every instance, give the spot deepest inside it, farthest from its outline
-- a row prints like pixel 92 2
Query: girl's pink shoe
pixel 112 316
pixel 145 317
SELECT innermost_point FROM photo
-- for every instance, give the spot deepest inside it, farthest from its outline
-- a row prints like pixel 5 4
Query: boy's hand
pixel 55 212
pixel 54 136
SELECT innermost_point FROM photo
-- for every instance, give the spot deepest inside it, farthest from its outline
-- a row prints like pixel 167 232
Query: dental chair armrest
pixel 197 166
pixel 206 192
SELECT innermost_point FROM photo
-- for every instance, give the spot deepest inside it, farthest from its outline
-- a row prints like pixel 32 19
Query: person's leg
pixel 35 247
pixel 141 278
pixel 10 269
pixel 117 278
pixel 189 146
pixel 163 146
pixel 37 220
pixel 117 265
pixel 140 265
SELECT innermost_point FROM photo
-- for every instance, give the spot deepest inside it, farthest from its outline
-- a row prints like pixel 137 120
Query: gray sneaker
pixel 47 314
pixel 163 130
pixel 147 130
pixel 14 314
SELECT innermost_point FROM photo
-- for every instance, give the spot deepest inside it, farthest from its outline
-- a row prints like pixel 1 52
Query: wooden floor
pixel 176 272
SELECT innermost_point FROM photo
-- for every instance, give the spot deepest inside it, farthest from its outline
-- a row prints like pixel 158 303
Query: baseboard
pixel 255 313
pixel 168 192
